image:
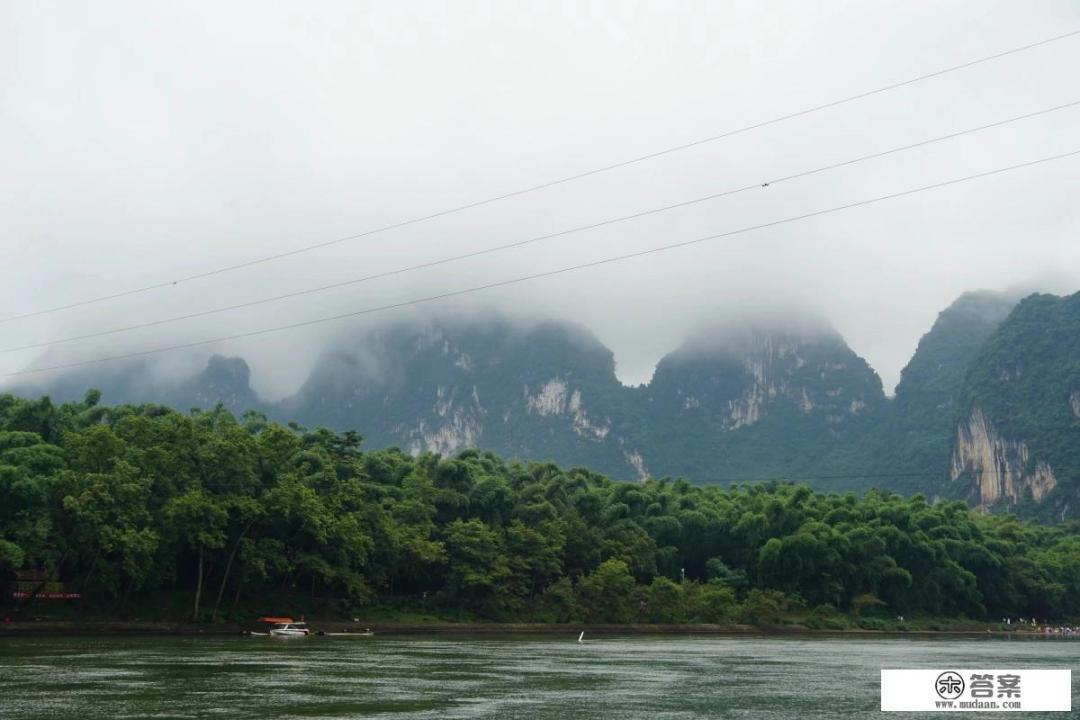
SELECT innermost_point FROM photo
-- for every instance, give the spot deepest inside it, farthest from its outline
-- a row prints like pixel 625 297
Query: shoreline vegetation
pixel 68 628
pixel 145 513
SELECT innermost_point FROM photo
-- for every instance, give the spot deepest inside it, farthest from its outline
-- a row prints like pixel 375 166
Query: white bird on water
pixel 581 637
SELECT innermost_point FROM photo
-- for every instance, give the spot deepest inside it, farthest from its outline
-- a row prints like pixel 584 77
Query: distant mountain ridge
pixel 224 380
pixel 759 402
pixel 546 392
pixel 988 408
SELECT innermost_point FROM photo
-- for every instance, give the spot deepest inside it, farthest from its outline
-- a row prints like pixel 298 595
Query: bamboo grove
pixel 152 513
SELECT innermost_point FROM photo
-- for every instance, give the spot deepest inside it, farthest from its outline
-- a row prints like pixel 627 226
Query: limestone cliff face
pixel 559 401
pixel 1020 401
pixel 555 398
pixel 776 369
pixel 740 400
pixel 736 378
pixel 545 391
pixel 1000 469
pixel 758 400
pixel 746 400
pixel 454 424
pixel 920 432
pixel 767 363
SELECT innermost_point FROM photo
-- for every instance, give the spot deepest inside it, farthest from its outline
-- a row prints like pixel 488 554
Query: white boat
pixel 290 629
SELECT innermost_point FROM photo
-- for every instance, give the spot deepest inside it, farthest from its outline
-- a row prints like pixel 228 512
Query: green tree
pixel 607 595
pixel 196 520
pixel 474 560
pixel 665 601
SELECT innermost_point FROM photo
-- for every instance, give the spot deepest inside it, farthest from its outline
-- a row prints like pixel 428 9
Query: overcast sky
pixel 140 142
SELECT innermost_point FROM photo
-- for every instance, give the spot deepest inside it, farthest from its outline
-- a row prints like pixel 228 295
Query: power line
pixel 547 184
pixel 549 273
pixel 529 241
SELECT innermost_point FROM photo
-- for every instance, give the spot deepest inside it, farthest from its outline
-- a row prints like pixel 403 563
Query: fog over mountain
pixel 986 410
pixel 204 135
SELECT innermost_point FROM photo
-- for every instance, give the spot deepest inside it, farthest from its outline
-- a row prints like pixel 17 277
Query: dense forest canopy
pixel 133 505
pixel 987 410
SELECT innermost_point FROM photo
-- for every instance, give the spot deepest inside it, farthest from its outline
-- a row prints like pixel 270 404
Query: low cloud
pixel 140 145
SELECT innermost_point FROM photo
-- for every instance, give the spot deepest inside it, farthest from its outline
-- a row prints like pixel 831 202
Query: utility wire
pixel 529 241
pixel 548 184
pixel 549 273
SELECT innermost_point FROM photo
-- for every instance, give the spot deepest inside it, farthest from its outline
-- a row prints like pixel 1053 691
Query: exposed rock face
pixel 540 392
pixel 770 362
pixel 1002 469
pixel 550 392
pixel 582 424
pixel 735 402
pixel 638 463
pixel 757 401
pixel 1020 424
pixel 457 424
pixel 549 400
pixel 774 365
pixel 918 437
pixel 740 401
pixel 554 399
pixel 738 376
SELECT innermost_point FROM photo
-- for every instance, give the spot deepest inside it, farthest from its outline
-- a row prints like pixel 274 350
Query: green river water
pixel 481 677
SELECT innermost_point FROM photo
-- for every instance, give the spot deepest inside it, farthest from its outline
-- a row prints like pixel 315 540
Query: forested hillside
pixel 534 391
pixel 916 436
pixel 1018 436
pixel 742 401
pixel 987 409
pixel 154 513
pixel 761 402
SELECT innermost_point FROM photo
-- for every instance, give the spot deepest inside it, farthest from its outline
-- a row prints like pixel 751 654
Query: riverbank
pixel 114 628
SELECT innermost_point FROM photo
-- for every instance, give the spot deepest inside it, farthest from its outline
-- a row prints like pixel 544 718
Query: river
pixel 513 677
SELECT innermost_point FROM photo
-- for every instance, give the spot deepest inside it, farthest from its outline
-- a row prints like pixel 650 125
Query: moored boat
pixel 281 627
pixel 289 629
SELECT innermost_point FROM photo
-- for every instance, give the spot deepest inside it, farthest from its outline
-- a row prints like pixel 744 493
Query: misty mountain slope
pixel 1017 441
pixel 225 380
pixel 222 380
pixel 742 402
pixel 988 408
pixel 759 402
pixel 917 435
pixel 542 392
